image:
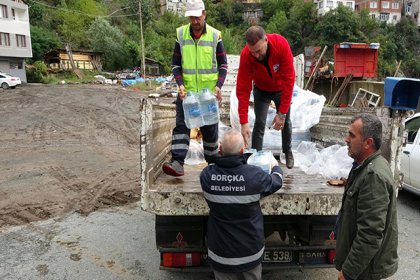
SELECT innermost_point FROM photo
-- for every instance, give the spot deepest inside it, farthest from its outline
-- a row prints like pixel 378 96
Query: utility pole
pixel 142 43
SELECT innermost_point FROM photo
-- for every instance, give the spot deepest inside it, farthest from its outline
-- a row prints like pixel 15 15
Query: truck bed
pixel 301 194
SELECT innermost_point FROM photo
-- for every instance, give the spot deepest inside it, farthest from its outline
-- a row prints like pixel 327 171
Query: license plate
pixel 277 256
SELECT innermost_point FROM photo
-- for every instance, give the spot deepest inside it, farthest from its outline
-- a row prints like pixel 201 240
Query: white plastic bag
pixel 263 159
pixel 195 153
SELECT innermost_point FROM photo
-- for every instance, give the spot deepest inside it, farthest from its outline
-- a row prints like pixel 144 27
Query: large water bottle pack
pixel 200 109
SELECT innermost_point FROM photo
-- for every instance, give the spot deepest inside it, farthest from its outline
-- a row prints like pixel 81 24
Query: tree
pixel 369 26
pixel 231 42
pixel 132 49
pixel 74 19
pixel 300 26
pixel 43 40
pixel 338 25
pixel 109 40
pixel 277 23
pixel 271 7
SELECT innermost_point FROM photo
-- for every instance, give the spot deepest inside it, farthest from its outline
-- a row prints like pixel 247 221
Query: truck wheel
pixel 4 85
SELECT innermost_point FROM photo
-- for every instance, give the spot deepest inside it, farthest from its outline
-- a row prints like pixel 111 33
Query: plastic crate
pixel 401 93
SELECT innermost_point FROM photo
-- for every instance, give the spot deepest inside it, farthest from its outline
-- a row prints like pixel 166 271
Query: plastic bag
pixel 263 159
pixel 195 153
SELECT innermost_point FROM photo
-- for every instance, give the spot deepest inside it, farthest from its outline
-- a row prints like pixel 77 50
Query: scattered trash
pixel 337 182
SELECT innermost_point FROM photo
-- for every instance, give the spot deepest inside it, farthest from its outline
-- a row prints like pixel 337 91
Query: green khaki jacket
pixel 367 230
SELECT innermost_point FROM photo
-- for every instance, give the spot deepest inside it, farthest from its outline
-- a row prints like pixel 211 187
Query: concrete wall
pixel 14 67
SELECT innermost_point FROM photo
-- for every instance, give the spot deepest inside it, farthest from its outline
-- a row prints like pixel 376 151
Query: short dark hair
pixel 371 128
pixel 254 34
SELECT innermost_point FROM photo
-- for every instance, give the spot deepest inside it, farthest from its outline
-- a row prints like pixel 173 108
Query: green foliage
pixel 339 25
pixel 148 85
pixel 100 26
pixel 43 40
pixel 271 7
pixel 277 23
pixel 36 13
pixel 369 26
pixel 132 49
pixel 231 42
pixel 109 40
pixel 229 13
pixel 38 74
pixel 300 26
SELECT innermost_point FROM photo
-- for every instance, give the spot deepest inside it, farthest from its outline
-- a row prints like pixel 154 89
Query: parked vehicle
pixel 298 219
pixel 7 81
pixel 410 158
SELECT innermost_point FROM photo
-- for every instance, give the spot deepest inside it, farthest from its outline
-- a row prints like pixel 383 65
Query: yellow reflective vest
pixel 199 64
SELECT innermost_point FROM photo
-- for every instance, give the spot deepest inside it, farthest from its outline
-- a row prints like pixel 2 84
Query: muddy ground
pixel 67 148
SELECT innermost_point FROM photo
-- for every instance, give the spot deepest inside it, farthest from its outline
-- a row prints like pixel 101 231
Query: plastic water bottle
pixel 192 111
pixel 209 107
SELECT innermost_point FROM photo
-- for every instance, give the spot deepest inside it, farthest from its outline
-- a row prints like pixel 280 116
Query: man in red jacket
pixel 266 63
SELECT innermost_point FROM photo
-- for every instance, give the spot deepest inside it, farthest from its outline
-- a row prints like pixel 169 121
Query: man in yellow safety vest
pixel 199 61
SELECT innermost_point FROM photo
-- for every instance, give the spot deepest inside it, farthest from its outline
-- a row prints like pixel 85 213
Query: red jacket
pixel 282 77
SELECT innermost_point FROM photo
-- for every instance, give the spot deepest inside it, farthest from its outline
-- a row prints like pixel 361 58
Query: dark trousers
pixel 181 137
pixel 262 102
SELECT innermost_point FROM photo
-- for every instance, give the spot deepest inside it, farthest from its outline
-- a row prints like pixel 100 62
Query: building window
pixel 408 8
pixel 3 11
pixel 373 5
pixel 384 17
pixel 395 5
pixel 373 16
pixel 21 41
pixel 330 4
pixel 16 65
pixel 4 39
pixel 385 5
pixel 321 4
pixel 13 14
pixel 394 17
pixel 339 3
pixel 349 4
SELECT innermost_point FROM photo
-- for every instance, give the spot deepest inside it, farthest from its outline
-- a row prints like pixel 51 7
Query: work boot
pixel 290 162
pixel 173 168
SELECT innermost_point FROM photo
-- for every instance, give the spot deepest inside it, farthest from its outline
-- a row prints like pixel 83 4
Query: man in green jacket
pixel 367 231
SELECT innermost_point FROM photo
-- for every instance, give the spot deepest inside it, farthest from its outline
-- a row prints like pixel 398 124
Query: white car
pixel 410 159
pixel 7 81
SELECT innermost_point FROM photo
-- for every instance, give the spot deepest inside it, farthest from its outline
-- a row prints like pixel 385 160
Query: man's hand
pixel 341 276
pixel 181 92
pixel 218 93
pixel 277 123
pixel 246 134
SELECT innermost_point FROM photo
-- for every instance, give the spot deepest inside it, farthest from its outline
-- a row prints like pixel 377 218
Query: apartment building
pixel 388 11
pixel 176 6
pixel 324 6
pixel 412 10
pixel 15 37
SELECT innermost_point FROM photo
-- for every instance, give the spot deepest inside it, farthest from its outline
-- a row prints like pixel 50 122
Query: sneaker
pixel 290 162
pixel 173 168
